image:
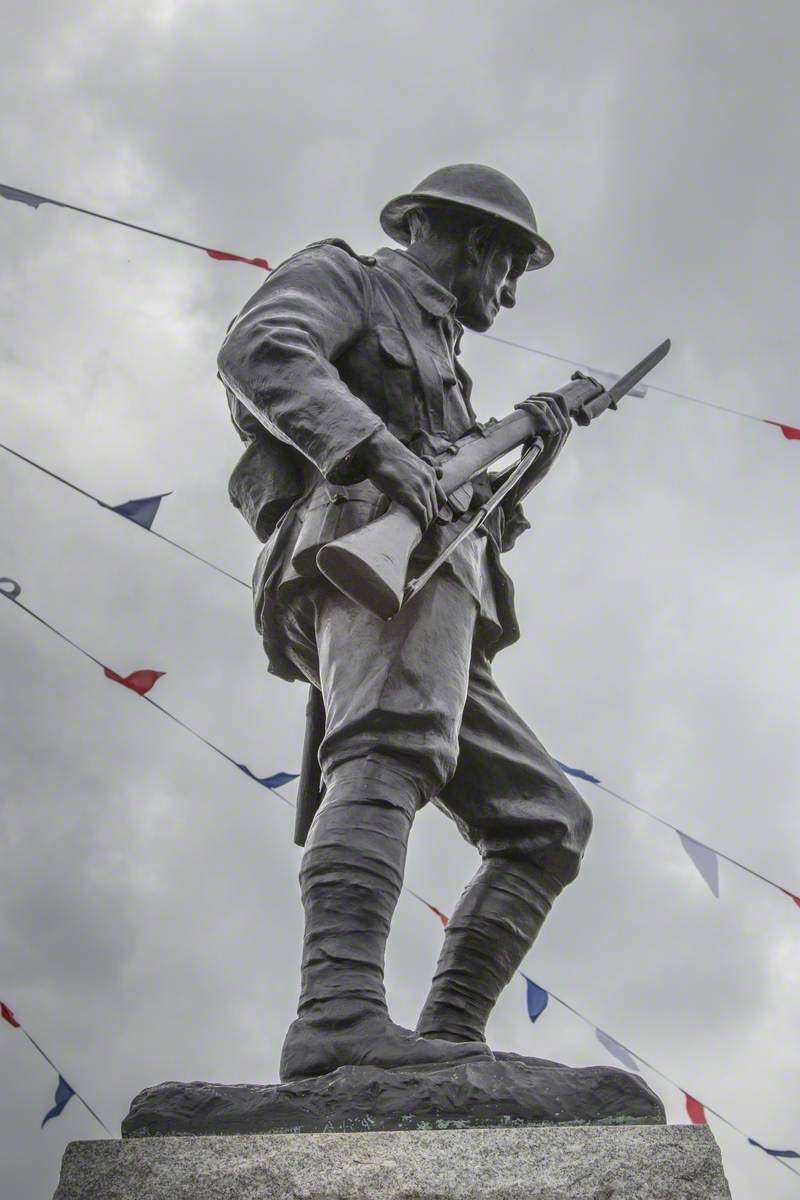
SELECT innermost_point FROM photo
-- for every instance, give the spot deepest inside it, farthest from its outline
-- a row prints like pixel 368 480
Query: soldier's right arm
pixel 278 356
pixel 278 360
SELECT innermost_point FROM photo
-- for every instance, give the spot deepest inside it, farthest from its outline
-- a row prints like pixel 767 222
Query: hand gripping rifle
pixel 370 565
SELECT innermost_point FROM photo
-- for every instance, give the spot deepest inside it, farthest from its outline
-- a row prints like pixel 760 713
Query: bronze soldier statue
pixel 343 379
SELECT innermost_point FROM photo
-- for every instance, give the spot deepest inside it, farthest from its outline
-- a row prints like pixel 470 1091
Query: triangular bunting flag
pixel 142 512
pixel 788 431
pixel 268 781
pixel 608 379
pixel 536 999
pixel 791 896
pixel 774 1153
pixel 697 1114
pixel 443 917
pixel 29 198
pixel 704 858
pixel 222 256
pixel 138 681
pixel 577 772
pixel 64 1094
pixel 617 1050
pixel 7 1015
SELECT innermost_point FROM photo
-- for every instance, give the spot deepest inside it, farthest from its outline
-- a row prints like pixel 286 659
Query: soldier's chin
pixel 479 321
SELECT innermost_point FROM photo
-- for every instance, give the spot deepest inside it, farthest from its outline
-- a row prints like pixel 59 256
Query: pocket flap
pixel 393 345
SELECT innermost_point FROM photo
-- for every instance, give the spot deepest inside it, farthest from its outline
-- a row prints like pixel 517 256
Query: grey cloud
pixel 151 921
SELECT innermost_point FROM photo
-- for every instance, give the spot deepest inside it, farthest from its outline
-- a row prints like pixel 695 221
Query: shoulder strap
pixel 367 260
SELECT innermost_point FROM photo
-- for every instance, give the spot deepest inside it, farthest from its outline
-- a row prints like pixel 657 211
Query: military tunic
pixel 332 348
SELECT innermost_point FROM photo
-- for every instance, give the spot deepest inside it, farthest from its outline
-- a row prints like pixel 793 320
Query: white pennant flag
pixel 618 1050
pixel 704 858
pixel 607 380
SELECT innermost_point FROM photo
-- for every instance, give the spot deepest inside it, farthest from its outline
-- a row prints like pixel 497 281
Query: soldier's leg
pixel 393 695
pixel 512 801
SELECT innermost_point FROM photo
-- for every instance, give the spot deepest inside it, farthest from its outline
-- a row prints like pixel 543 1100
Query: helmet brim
pixel 394 221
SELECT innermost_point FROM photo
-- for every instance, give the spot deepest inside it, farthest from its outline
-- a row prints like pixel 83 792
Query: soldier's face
pixel 489 285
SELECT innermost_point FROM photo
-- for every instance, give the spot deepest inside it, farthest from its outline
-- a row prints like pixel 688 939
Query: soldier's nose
pixel 508 296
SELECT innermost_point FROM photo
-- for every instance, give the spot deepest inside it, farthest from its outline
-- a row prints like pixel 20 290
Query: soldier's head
pixel 475 230
pixel 478 260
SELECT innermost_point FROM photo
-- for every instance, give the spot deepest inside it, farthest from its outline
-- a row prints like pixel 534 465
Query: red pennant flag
pixel 222 256
pixel 138 681
pixel 442 916
pixel 791 896
pixel 697 1114
pixel 788 431
pixel 7 1015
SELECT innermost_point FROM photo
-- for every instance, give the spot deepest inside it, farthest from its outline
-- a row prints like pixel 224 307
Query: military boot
pixel 493 927
pixel 351 877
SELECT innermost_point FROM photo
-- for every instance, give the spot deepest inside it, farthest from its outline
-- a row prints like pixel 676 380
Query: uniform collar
pixel 429 294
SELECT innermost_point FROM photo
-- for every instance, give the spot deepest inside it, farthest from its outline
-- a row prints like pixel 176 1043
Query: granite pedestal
pixel 583 1162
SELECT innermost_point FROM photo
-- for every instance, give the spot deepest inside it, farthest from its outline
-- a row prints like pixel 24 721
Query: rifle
pixel 370 564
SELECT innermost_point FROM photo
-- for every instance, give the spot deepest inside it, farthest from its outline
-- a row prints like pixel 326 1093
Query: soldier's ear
pixel 479 242
pixel 475 245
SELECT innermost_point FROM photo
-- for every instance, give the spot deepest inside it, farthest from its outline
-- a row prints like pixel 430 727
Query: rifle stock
pixel 370 564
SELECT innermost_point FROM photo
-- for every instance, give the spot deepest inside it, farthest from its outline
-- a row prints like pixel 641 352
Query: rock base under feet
pixel 512 1092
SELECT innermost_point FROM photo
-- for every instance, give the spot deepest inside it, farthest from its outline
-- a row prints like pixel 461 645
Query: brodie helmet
pixel 472 188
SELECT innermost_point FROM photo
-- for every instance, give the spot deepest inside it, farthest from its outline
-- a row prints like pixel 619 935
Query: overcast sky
pixel 151 922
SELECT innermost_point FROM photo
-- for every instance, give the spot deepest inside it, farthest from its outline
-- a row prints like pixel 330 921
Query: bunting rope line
pixel 537 998
pixel 64 1090
pixel 142 512
pixel 139 512
pixel 141 682
pixel 33 200
pixel 699 852
pixel 790 432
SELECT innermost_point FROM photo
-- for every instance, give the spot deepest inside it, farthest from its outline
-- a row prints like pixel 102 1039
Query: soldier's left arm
pixel 555 426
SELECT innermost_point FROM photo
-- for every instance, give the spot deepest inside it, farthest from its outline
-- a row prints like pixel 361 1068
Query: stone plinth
pixel 632 1162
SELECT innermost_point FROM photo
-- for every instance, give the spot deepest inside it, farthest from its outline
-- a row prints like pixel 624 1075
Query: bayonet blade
pixel 631 378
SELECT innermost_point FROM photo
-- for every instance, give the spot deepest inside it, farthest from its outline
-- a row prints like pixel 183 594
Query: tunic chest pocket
pixel 412 384
pixel 454 415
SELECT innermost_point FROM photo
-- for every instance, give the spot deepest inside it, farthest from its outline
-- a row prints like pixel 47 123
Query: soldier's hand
pixel 554 427
pixel 554 421
pixel 403 477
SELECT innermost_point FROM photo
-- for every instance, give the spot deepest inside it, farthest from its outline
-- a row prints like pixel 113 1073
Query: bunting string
pixel 703 856
pixel 142 512
pixel 33 200
pixel 141 682
pixel 537 998
pixel 790 432
pixel 64 1090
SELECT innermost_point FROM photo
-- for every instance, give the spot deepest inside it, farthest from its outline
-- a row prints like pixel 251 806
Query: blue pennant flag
pixel 268 781
pixel 29 198
pixel 143 511
pixel 537 999
pixel 577 772
pixel 64 1094
pixel 774 1153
